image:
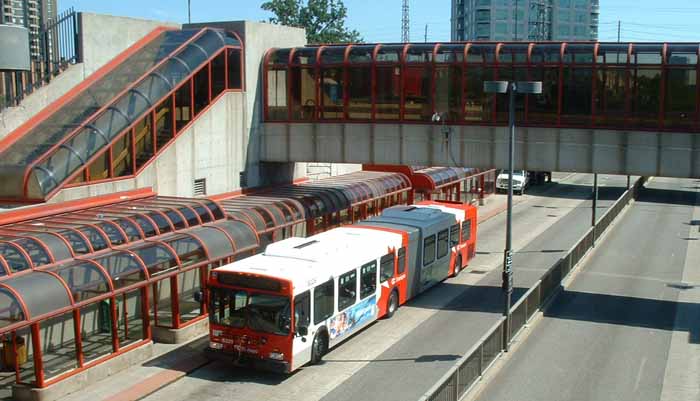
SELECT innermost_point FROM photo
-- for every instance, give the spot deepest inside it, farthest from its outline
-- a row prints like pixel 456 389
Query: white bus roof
pixel 307 262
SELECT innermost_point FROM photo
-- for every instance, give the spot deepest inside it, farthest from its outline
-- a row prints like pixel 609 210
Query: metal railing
pixel 53 49
pixel 471 367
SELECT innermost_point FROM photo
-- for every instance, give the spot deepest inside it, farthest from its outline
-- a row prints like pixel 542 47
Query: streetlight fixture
pixel 525 87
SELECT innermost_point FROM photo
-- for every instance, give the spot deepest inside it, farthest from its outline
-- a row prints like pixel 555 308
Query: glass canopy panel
pixel 84 279
pixel 242 234
pixel 279 56
pixel 420 53
pixel 579 53
pixel 682 54
pixel 58 248
pixel 95 237
pixel 14 258
pixel 389 53
pixel 545 53
pixel 41 292
pixel 513 53
pixel 231 39
pixel 361 54
pixel 612 53
pixel 189 250
pixel 216 241
pixel 245 214
pixel 305 55
pixel 481 53
pixel 115 235
pixel 333 55
pixel 214 209
pixel 211 41
pixel 123 268
pixel 35 251
pixel 157 258
pixel 450 53
pixel 10 309
pixel 647 53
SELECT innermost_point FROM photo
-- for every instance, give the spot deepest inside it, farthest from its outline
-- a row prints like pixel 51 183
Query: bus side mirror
pixel 199 296
pixel 303 331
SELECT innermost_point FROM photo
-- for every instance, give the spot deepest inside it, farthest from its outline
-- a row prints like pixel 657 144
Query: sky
pixel 380 20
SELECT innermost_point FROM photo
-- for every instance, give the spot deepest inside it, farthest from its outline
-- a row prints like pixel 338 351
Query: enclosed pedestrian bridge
pixel 617 108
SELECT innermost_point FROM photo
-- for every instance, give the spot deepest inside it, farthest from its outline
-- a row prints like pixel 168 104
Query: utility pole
pixel 405 25
pixel 618 31
pixel 426 33
pixel 189 13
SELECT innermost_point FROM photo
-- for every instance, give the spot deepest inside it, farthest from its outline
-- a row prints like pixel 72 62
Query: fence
pixel 53 48
pixel 470 368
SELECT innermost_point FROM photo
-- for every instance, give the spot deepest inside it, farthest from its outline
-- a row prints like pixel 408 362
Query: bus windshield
pixel 259 312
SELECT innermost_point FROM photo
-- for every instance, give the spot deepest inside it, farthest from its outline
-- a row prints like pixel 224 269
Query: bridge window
pixel 543 108
pixel 417 93
pixel 448 91
pixel 576 96
pixel 360 93
pixel 303 93
pixel 332 93
pixel 277 94
pixel 388 80
pixel 680 98
pixel 99 168
pixel 645 84
pixel 477 105
pixel 122 157
pixel 611 97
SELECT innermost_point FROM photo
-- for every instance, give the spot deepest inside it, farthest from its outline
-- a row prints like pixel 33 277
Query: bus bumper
pixel 238 359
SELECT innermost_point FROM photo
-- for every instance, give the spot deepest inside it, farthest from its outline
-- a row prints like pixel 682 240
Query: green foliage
pixel 324 20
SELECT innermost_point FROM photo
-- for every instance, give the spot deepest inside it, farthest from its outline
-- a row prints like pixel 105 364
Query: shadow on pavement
pixel 628 311
pixel 479 298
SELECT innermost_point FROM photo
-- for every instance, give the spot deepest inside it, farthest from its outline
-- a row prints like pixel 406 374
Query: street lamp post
pixel 525 87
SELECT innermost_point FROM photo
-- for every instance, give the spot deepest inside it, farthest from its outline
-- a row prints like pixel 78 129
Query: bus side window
pixel 454 235
pixel 368 279
pixel 442 244
pixel 302 310
pixel 323 301
pixel 347 289
pixel 466 230
pixel 402 260
pixel 429 250
pixel 386 267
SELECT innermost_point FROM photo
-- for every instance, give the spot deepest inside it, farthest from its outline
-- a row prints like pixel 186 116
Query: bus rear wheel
pixel 392 304
pixel 458 266
pixel 319 347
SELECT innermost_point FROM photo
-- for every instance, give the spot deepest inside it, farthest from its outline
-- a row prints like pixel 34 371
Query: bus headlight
pixel 214 345
pixel 278 356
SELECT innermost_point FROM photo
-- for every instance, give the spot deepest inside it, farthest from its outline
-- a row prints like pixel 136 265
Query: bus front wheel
pixel 319 347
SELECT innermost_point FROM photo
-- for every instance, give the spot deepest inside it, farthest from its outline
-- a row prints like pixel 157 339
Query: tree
pixel 324 20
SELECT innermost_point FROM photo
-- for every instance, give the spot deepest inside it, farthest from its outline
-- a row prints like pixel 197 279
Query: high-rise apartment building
pixel 506 20
pixel 32 14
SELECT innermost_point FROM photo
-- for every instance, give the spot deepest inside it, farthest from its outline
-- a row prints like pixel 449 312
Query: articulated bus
pixel 287 306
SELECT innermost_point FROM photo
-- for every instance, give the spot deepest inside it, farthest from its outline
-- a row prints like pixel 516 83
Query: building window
pixel 483 30
pixel 501 28
pixel 276 94
pixel 564 30
pixel 581 3
pixel 347 289
pixel 164 123
pixel 502 14
pixel 581 17
pixel 99 168
pixel 483 15
pixel 580 31
pixel 564 3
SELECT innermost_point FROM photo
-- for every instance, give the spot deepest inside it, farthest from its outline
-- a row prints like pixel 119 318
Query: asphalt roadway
pixel 628 327
pixel 401 358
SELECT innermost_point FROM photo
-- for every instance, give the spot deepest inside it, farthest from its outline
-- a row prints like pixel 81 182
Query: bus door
pixel 301 346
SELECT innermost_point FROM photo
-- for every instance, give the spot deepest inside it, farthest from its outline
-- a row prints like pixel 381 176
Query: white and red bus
pixel 285 307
